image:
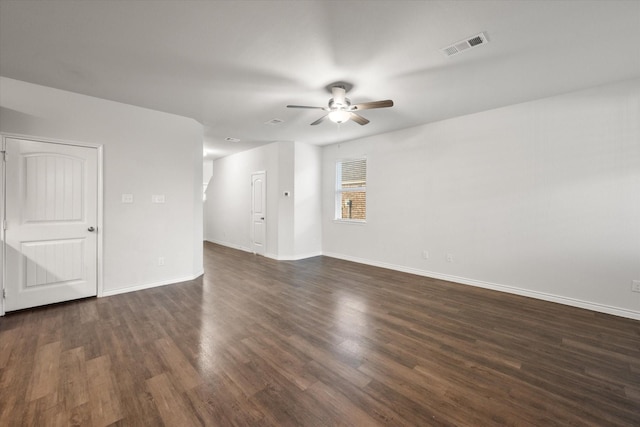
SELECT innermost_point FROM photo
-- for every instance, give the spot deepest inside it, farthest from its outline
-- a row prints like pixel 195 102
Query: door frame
pixel 100 208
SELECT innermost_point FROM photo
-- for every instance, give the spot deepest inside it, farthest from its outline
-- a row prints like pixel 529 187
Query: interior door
pixel 258 212
pixel 51 218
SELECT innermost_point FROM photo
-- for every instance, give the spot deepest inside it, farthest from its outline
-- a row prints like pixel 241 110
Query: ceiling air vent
pixel 230 139
pixel 462 45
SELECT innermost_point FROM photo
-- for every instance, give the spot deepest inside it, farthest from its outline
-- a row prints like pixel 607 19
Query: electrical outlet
pixel 425 254
pixel 449 257
pixel 161 260
pixel 635 286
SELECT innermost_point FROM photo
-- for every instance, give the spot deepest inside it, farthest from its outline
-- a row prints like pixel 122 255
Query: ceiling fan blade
pixel 359 119
pixel 369 105
pixel 306 106
pixel 320 120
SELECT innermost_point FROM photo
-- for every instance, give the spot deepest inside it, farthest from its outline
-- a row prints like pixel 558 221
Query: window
pixel 351 190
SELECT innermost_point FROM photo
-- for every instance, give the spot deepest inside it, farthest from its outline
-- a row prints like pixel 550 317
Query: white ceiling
pixel 234 65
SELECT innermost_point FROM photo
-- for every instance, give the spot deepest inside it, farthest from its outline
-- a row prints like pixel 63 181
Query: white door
pixel 51 214
pixel 258 212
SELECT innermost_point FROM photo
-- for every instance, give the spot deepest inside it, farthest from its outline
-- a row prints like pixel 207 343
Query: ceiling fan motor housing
pixel 333 105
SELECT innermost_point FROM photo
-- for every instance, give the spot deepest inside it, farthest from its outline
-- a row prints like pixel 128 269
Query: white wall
pixel 286 205
pixel 308 201
pixel 293 222
pixel 540 199
pixel 228 204
pixel 145 153
pixel 207 171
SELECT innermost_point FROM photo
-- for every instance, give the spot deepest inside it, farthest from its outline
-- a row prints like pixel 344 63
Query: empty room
pixel 320 213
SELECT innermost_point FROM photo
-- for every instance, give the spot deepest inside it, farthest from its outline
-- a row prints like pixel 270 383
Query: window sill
pixel 350 221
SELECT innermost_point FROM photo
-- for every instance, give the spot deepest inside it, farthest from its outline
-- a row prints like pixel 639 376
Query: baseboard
pixel 601 308
pixel 230 245
pixel 150 285
pixel 293 257
pixel 268 254
pixel 573 302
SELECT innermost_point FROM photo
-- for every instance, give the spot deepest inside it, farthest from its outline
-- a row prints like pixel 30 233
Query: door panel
pixel 258 212
pixel 52 196
pixel 53 263
pixel 53 188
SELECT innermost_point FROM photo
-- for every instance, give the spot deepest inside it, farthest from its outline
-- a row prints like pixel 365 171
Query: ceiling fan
pixel 340 109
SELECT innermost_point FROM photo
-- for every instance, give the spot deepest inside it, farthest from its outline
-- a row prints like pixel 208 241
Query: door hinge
pixel 4 224
pixel 4 155
pixel 4 293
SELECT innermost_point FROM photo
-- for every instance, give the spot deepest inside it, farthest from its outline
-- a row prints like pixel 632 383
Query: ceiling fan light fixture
pixel 339 109
pixel 339 116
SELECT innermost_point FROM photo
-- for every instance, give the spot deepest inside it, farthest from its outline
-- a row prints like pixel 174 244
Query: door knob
pixel 262 218
pixel 91 229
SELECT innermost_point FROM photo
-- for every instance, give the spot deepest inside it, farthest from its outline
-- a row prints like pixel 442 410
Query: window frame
pixel 339 191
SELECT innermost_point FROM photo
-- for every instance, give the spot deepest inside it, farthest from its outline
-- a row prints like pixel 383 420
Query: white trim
pixel 3 249
pixel 100 223
pixel 151 285
pixel 50 140
pixel 601 308
pixel 350 221
pixel 230 245
pixel 293 257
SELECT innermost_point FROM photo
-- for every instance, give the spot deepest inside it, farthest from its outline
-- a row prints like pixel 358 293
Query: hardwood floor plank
pixel 45 411
pixel 412 412
pixel 11 409
pixel 345 411
pixel 284 407
pixel 221 402
pixel 182 372
pixel 380 412
pixel 284 363
pixel 316 342
pixel 170 402
pixel 105 400
pixel 242 372
pixel 79 416
pixel 7 344
pixel 44 377
pixel 327 359
pixel 74 389
pixel 51 327
pixel 428 392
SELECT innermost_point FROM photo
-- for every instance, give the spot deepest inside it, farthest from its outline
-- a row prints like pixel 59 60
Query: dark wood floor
pixel 318 342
